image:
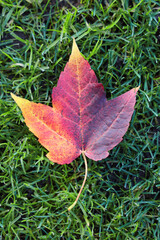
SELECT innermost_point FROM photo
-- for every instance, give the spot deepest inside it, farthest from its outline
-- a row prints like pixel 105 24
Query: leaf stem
pixel 85 177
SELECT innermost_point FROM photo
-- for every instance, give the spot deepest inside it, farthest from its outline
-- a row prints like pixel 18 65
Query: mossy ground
pixel 121 41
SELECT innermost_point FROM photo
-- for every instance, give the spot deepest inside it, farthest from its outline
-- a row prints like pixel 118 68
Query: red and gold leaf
pixel 81 119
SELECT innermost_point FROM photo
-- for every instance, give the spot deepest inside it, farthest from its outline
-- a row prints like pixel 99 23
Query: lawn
pixel 121 197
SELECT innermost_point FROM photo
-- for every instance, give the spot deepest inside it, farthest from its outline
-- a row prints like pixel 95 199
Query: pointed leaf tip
pixel 12 95
pixel 15 98
pixel 74 45
pixel 75 52
pixel 137 88
pixel 21 102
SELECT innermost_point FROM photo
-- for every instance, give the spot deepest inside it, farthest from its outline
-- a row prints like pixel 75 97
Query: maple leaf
pixel 81 120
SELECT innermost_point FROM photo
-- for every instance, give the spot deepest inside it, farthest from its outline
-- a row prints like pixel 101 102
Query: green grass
pixel 120 200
